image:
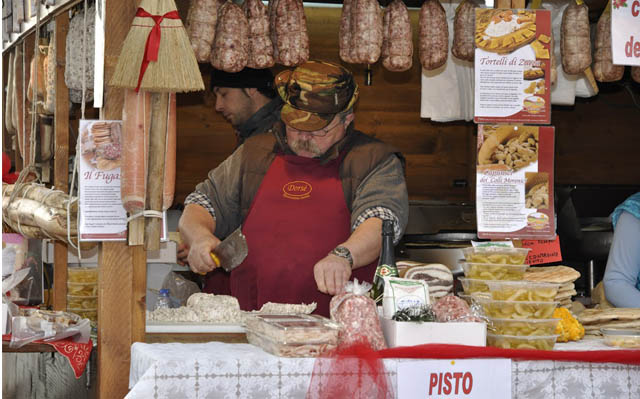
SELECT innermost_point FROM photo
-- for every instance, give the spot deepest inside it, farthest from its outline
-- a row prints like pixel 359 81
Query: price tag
pixel 625 32
pixel 468 378
pixel 542 251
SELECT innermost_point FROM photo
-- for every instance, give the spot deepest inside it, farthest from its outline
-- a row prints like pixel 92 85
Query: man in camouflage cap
pixel 310 198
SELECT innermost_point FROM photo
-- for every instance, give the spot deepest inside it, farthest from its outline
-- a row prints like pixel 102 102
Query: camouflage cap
pixel 314 93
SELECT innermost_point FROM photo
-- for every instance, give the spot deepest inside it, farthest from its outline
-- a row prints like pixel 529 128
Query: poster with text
pixel 514 182
pixel 102 216
pixel 512 66
pixel 625 32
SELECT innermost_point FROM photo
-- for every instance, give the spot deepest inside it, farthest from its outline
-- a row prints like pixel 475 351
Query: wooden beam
pixel 122 276
pixel 61 157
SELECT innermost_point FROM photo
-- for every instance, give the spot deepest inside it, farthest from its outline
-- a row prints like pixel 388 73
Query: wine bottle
pixel 386 262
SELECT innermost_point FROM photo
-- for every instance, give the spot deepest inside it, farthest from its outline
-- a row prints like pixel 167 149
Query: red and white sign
pixel 625 32
pixel 542 251
pixel 465 378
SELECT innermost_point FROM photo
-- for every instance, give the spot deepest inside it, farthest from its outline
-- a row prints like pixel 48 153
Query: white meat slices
pixel 291 37
pixel 397 44
pixel 433 35
pixel 231 45
pixel 345 32
pixel 575 43
pixel 464 26
pixel 366 31
pixel 603 68
pixel 260 45
pixel 201 26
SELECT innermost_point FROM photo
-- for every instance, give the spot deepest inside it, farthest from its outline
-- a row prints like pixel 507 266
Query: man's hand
pixel 183 254
pixel 199 258
pixel 331 274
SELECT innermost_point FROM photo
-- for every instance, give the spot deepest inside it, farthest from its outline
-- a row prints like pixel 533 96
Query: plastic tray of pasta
pixel 83 275
pixel 308 349
pixel 517 309
pixel 621 337
pixel 82 289
pixel 542 342
pixel 522 290
pixel 294 329
pixel 523 327
pixel 82 302
pixel 474 285
pixel 496 255
pixel 490 271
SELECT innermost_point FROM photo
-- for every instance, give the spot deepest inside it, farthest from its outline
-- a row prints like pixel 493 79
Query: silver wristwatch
pixel 343 252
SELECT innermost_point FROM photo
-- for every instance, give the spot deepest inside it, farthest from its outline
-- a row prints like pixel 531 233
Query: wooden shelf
pixel 28 348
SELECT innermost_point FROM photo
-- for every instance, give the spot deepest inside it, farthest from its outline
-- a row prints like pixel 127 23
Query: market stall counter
pixel 584 369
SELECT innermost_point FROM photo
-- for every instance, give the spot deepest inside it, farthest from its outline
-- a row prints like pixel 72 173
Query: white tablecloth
pixel 219 370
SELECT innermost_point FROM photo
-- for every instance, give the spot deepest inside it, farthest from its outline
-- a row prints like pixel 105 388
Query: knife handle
pixel 215 259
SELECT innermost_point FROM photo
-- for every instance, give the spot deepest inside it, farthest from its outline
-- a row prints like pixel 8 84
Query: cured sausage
pixel 554 63
pixel 18 98
pixel 575 41
pixel 603 68
pixel 292 40
pixel 635 74
pixel 231 45
pixel 366 31
pixel 260 45
pixel 359 319
pixel 397 44
pixel 434 35
pixel 201 27
pixel 8 110
pixel 464 31
pixel 344 36
pixel 169 183
pixel 451 308
pixel 271 11
pixel 50 95
pixel 136 121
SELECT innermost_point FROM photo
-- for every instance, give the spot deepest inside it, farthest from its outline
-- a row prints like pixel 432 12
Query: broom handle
pixel 157 144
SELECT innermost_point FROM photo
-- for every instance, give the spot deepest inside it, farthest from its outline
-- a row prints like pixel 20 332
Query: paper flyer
pixel 625 32
pixel 514 182
pixel 102 216
pixel 512 66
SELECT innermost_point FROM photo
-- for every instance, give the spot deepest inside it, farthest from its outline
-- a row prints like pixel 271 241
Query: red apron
pixel 297 217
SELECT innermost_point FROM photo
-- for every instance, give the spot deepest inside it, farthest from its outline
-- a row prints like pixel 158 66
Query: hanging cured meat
pixel 260 45
pixel 575 43
pixel 635 74
pixel 366 31
pixel 603 68
pixel 271 12
pixel 397 44
pixel 231 45
pixel 291 36
pixel 345 32
pixel 434 35
pixel 201 26
pixel 464 31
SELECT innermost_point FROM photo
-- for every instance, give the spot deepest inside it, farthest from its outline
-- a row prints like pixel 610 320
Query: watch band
pixel 343 252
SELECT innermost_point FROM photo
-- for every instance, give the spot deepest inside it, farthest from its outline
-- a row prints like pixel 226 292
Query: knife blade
pixel 231 251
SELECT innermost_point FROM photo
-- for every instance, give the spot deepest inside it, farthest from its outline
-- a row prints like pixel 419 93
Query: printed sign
pixel 465 378
pixel 512 66
pixel 102 216
pixel 514 182
pixel 625 32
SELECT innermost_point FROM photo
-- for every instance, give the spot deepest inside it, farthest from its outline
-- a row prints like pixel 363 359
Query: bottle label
pixel 385 270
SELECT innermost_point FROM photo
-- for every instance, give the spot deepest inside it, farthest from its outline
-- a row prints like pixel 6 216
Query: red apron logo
pixel 297 190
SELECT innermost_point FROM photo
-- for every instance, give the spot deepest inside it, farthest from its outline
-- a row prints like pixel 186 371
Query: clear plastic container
pixel 289 349
pixel 522 290
pixel 517 309
pixel 82 289
pixel 542 342
pixel 82 275
pixel 523 327
pixel 294 329
pixel 473 285
pixel 496 255
pixel 91 314
pixel 622 338
pixel 82 302
pixel 490 271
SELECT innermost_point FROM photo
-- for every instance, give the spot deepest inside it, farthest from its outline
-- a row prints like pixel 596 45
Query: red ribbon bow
pixel 153 41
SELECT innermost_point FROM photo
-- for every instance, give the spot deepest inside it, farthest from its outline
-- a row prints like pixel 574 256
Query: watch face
pixel 342 251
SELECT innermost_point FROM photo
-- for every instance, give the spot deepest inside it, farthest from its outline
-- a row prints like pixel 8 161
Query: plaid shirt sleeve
pixel 198 198
pixel 382 213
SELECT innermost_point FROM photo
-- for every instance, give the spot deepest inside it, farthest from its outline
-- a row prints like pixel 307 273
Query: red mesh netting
pixel 355 372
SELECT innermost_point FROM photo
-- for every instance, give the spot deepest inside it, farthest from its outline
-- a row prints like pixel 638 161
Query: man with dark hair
pixel 247 100
pixel 310 198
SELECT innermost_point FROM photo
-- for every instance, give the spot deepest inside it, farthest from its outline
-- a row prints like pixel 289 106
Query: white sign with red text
pixel 464 378
pixel 625 32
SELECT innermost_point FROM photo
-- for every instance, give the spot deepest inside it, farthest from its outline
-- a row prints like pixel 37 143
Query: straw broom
pixel 174 70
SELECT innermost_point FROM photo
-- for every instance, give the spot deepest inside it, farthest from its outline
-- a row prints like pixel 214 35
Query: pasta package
pixel 545 342
pixel 518 309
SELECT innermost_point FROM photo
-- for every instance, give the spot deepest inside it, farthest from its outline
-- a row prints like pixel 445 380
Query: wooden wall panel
pixel 596 139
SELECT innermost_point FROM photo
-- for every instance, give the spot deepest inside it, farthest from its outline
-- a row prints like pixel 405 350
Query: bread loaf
pixel 397 44
pixel 434 35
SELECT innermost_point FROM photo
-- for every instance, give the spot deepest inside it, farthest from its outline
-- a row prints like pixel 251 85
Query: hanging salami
pixel 397 44
pixel 434 35
pixel 260 45
pixel 231 45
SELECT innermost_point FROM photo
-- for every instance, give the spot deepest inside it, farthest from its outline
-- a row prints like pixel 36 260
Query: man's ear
pixel 250 91
pixel 349 118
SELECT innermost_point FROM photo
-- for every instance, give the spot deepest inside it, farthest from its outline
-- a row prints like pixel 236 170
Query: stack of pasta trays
pixel 520 312
pixel 82 292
